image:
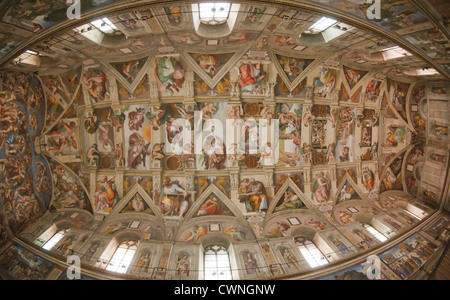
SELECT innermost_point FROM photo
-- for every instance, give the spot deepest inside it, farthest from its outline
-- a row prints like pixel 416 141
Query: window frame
pixel 322 24
pixel 131 245
pixel 376 233
pixel 212 20
pixel 413 215
pixel 208 263
pixel 311 253
pixel 106 23
pixel 55 239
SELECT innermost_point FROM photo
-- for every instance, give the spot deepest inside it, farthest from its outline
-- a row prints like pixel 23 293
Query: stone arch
pixel 215 240
pixel 128 235
pixel 285 223
pixel 422 114
pixel 303 231
pixel 364 218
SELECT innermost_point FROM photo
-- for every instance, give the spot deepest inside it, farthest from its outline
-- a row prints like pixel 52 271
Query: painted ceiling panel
pixel 158 129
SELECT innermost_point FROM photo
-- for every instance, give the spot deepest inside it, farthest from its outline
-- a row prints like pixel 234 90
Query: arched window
pixel 378 235
pixel 310 252
pixel 54 239
pixel 122 257
pixel 214 13
pixel 215 19
pixel 104 25
pixel 217 263
pixel 321 25
pixel 97 29
pixel 415 212
pixel 413 215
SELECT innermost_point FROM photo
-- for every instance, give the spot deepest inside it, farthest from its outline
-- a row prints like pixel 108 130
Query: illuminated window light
pixel 104 25
pixel 122 258
pixel 54 240
pixel 214 13
pixel 217 263
pixel 21 57
pixel 335 31
pixel 378 235
pixel 28 57
pixel 32 52
pixel 427 72
pixel 312 254
pixel 413 215
pixel 90 32
pixel 394 52
pixel 321 25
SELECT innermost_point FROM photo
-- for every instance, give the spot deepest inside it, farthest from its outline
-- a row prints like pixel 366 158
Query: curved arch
pixel 73 174
pixel 128 235
pixel 406 122
pixel 303 231
pixel 215 240
pixel 176 228
pixel 365 218
pixel 409 104
pixel 415 170
pixel 64 224
pixel 49 127
pixel 401 152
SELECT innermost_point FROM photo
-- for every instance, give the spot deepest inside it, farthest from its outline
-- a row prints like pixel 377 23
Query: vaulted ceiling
pixel 356 116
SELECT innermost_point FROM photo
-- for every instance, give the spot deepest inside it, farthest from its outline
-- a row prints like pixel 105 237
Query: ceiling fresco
pixel 160 130
pixel 414 26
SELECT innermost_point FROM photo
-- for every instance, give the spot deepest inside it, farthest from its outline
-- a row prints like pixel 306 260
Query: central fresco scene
pixel 178 135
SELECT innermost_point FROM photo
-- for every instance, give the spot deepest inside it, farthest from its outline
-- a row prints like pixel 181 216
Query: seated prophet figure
pixel 174 199
pixel 254 196
pixel 368 178
pixel 250 77
pixel 169 75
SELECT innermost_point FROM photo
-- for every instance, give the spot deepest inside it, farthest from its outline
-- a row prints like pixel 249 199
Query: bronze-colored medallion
pixel 319 159
pixel 252 109
pixel 173 162
pixel 106 162
pixel 251 161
